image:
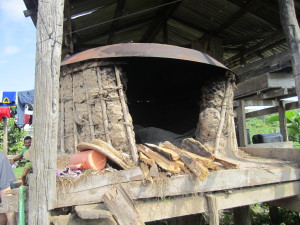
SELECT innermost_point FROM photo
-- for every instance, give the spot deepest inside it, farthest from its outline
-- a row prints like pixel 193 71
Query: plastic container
pixel 267 138
pixel 86 160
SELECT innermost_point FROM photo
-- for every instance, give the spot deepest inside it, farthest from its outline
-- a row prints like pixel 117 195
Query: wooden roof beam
pixel 246 38
pixel 68 28
pixel 161 17
pixel 118 13
pixel 251 4
pixel 258 46
pixel 116 29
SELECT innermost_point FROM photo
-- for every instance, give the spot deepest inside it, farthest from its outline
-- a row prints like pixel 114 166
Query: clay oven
pixel 107 92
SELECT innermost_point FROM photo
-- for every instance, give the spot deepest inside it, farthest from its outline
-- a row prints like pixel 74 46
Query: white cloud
pixel 11 50
pixel 13 9
pixel 2 62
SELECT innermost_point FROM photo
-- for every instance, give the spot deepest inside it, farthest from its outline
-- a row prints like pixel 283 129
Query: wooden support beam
pixel 264 82
pixel 69 35
pixel 278 36
pixel 162 16
pixel 5 134
pixel 262 112
pixel 291 203
pixel 42 187
pixel 282 120
pixel 242 134
pixel 118 13
pixel 213 212
pixel 251 4
pixel 292 33
pixel 267 65
pixel 289 154
pixel 182 185
pixel 181 206
pixel 241 216
pixel 121 206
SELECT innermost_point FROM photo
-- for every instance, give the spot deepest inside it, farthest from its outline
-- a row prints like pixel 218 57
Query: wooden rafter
pixel 246 38
pixel 258 46
pixel 162 15
pixel 116 29
pixel 252 4
pixel 118 13
pixel 69 36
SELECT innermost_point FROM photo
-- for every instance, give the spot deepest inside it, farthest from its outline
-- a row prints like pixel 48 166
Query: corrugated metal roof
pixel 180 23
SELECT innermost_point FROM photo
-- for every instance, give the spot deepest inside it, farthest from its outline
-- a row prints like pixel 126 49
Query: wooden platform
pixel 257 180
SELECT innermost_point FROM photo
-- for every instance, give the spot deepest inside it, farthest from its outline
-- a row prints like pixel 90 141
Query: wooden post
pixel 241 216
pixel 5 147
pixel 282 120
pixel 42 186
pixel 291 30
pixel 121 206
pixel 129 129
pixel 242 124
pixel 213 210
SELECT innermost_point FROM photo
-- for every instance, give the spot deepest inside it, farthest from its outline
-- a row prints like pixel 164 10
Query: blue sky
pixel 17 48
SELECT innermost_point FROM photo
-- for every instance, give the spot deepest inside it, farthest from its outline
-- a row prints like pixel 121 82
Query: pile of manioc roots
pixel 191 157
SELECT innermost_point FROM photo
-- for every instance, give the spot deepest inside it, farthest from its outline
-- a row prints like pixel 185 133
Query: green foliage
pixel 270 124
pixel 15 137
pixel 259 125
pixel 293 123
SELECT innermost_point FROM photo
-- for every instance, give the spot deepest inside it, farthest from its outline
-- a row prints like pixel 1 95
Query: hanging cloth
pixel 8 99
pixel 24 97
pixel 4 112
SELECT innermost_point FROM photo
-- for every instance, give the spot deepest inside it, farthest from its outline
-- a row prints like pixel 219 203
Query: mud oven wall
pixel 93 104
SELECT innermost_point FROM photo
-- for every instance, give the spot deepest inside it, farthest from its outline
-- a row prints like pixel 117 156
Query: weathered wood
pixel 62 125
pixel 144 167
pixel 120 204
pixel 282 121
pixel 286 144
pixel 262 112
pixel 205 161
pixel 222 114
pixel 289 154
pixel 291 30
pixel 72 219
pixel 46 108
pixel 105 149
pixel 241 216
pixel 226 163
pixel 5 132
pixel 213 212
pixel 291 203
pixel 75 135
pixel 146 159
pixel 264 82
pixel 93 211
pixel 242 134
pixel 100 180
pixel 103 108
pixel 185 184
pixel 193 204
pixel 194 146
pixel 159 159
pixel 154 170
pixel 169 154
pixel 131 139
pixel 262 66
pixel 89 109
pixel 197 168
